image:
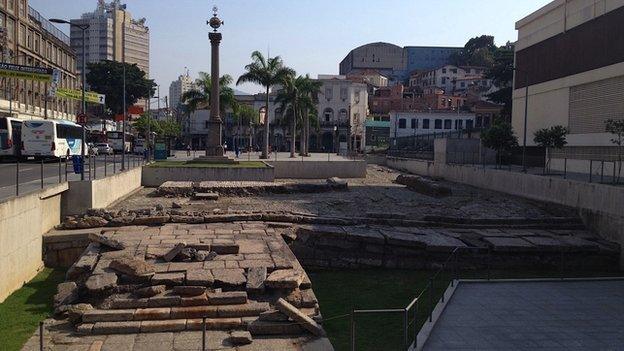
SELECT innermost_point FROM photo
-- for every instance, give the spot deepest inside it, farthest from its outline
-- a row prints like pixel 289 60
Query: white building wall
pixel 425 123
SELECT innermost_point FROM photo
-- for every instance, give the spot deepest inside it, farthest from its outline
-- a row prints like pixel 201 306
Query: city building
pixel 29 39
pixel 377 134
pixel 369 76
pixel 393 61
pixel 394 98
pixel 108 25
pixel 178 87
pixel 403 124
pixel 452 79
pixel 571 55
pixel 342 111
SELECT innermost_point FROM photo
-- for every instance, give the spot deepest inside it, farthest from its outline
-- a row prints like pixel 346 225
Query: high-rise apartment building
pixel 112 35
pixel 178 87
pixel 29 39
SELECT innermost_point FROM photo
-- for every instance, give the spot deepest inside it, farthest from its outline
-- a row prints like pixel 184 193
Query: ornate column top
pixel 215 22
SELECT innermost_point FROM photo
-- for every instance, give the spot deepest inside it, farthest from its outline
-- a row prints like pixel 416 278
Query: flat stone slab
pixel 201 277
pixel 284 279
pixel 206 196
pixel 227 298
pixel 99 283
pixel 229 278
pixel 306 322
pixel 132 267
pixel 507 244
pixel 256 277
pixel 168 279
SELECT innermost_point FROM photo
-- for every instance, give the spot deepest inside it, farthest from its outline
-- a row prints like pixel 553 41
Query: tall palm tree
pixel 266 72
pixel 200 96
pixel 296 101
pixel 310 88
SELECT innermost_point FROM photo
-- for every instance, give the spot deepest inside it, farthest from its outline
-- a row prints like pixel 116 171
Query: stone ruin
pixel 134 280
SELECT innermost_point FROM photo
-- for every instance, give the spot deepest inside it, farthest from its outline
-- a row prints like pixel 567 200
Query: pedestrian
pixel 236 150
pixel 225 148
pixel 188 150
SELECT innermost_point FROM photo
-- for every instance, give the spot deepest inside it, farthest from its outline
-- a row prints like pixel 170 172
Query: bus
pixel 115 141
pixel 10 137
pixel 51 138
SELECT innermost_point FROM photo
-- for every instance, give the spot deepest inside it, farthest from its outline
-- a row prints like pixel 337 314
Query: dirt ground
pixel 377 193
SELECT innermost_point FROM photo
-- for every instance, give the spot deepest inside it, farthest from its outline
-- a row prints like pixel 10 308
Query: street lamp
pixel 526 105
pixel 84 28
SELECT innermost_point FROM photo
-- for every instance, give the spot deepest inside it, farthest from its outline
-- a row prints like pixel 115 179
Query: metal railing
pixel 95 167
pixel 415 305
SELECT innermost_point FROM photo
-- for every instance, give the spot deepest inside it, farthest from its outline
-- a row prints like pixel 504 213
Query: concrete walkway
pixel 566 315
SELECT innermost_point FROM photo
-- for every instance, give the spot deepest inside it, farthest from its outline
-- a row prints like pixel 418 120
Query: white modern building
pixel 178 87
pixel 572 52
pixel 404 124
pixel 112 35
pixel 342 110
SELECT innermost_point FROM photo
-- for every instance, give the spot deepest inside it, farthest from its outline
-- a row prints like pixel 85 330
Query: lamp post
pixel 526 105
pixel 84 28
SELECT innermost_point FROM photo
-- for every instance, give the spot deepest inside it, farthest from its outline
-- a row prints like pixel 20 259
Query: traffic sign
pixel 81 118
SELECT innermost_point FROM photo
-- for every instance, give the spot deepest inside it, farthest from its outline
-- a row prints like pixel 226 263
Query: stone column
pixel 214 145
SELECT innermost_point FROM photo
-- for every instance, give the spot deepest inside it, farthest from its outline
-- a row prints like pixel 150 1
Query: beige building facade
pixel 112 35
pixel 571 53
pixel 29 39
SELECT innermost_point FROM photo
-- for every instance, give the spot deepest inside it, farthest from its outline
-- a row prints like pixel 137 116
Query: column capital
pixel 215 38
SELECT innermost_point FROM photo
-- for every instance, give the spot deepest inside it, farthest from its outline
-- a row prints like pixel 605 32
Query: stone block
pixel 245 310
pixel 163 301
pixel 239 337
pixel 215 324
pixel 364 234
pixel 255 279
pixel 306 322
pixel 106 241
pixel 274 328
pixel 67 293
pixel 132 267
pixel 84 328
pixel 169 279
pixel 101 283
pixel 151 220
pixel 171 325
pixel 273 316
pixel 229 278
pixel 199 277
pixel 227 298
pixel 190 312
pixel 194 301
pixel 225 248
pixel 150 291
pixel 284 279
pixel 171 254
pixel 189 290
pixel 423 185
pixel 509 244
pixel 143 314
pixel 207 196
pixel 107 315
pixel 128 303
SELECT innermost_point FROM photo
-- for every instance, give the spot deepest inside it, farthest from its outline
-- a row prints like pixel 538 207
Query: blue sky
pixel 312 36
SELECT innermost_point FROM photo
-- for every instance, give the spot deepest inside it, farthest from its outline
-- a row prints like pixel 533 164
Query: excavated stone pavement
pixel 377 194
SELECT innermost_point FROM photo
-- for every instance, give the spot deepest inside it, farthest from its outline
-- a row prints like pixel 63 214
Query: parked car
pixel 104 149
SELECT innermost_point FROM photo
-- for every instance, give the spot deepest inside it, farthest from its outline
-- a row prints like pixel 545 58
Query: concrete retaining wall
pixel 319 169
pixel 155 176
pixel 23 220
pixel 100 193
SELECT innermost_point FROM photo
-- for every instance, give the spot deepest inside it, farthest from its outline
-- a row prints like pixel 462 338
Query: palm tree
pixel 200 96
pixel 266 72
pixel 296 101
pixel 310 88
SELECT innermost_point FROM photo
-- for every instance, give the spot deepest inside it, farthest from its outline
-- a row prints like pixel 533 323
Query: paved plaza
pixel 532 315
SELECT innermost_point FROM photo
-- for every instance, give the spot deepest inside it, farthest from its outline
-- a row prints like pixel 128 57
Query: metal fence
pixel 34 175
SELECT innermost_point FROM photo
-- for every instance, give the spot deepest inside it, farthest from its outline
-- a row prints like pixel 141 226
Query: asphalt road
pixel 30 173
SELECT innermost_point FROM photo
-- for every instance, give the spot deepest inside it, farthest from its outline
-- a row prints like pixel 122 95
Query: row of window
pixel 437 123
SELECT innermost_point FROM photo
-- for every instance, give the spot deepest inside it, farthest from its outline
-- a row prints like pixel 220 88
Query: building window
pixel 448 124
pixel 443 80
pixel 414 123
pixel 486 121
pixel 443 70
pixel 459 124
pixel 469 124
pixel 402 123
pixel 425 124
pixel 343 115
pixel 357 96
pixel 479 121
pixel 11 5
pixel 438 124
pixel 328 114
pixel 206 124
pixel 463 85
pixel 343 93
pixel 328 93
pixel 22 8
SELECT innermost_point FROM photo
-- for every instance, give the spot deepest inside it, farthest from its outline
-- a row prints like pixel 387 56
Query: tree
pixel 500 137
pixel 106 77
pixel 551 138
pixel 501 74
pixel 478 51
pixel 246 115
pixel 145 123
pixel 200 97
pixel 616 127
pixel 266 72
pixel 295 100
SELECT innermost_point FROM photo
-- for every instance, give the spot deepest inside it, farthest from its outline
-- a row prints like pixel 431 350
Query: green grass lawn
pixel 21 312
pixel 338 291
pixel 184 164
